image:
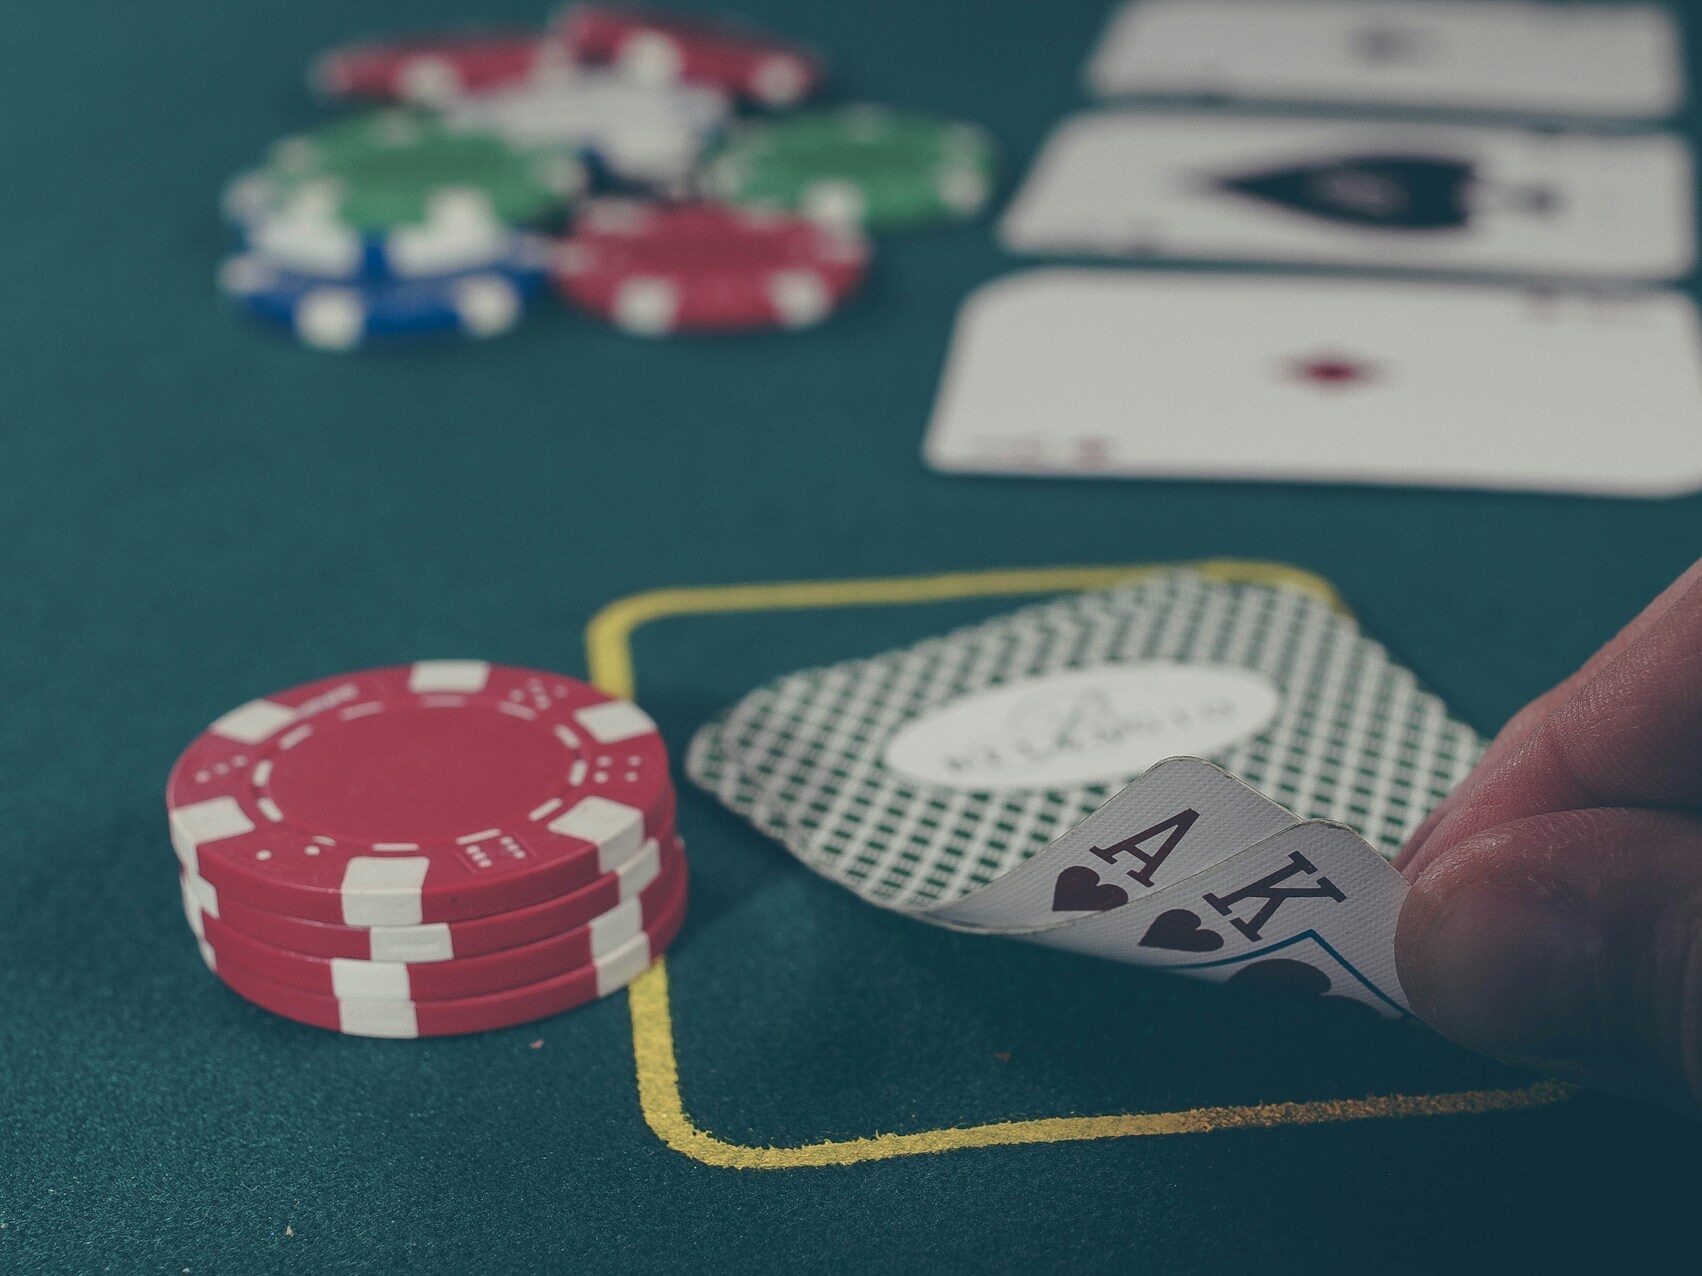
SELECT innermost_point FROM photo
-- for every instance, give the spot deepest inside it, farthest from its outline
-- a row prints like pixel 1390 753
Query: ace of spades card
pixel 1390 195
pixel 1067 774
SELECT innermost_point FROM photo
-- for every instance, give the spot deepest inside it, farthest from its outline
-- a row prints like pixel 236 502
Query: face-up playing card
pixel 1110 372
pixel 1582 60
pixel 1404 196
pixel 1311 908
pixel 1180 818
pixel 982 779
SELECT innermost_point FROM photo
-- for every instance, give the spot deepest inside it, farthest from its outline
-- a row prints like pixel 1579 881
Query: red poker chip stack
pixel 648 45
pixel 704 267
pixel 432 70
pixel 752 66
pixel 445 847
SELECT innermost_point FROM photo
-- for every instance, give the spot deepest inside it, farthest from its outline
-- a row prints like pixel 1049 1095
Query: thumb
pixel 1570 941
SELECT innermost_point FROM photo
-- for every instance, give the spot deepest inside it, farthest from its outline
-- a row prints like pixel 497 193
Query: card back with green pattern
pixel 917 777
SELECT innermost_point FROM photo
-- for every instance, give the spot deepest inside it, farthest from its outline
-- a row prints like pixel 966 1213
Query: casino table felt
pixel 192 514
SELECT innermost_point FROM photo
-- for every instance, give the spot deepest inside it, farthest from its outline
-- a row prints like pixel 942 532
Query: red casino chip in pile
pixel 658 47
pixel 654 268
pixel 433 69
pixel 445 847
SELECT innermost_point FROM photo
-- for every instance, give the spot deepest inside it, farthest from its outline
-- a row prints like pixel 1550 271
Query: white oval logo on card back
pixel 1084 726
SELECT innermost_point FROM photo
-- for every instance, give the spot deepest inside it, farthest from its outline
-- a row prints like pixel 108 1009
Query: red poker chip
pixel 432 69
pixel 663 48
pixel 400 1017
pixel 702 267
pixel 445 941
pixel 344 979
pixel 431 792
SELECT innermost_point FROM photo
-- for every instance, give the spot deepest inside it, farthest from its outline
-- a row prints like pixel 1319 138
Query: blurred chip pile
pixel 662 174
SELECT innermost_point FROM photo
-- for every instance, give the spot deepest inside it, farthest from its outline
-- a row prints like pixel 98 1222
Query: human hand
pixel 1556 910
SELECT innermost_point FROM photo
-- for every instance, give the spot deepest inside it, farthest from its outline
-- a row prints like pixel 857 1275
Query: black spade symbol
pixel 1385 192
pixel 1287 977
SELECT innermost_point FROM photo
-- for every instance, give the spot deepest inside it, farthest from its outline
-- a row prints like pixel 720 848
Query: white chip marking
pixel 623 965
pixel 369 980
pixel 269 809
pixel 290 739
pixel 330 318
pixel 262 773
pixel 211 821
pixel 384 892
pixel 962 189
pixel 779 81
pixel 247 196
pixel 646 306
pixel 651 57
pixel 638 873
pixel 486 305
pixel 378 1018
pixel 839 204
pixel 615 927
pixel 429 80
pixel 206 896
pixel 253 722
pixel 480 836
pixel 431 942
pixel 614 828
pixel 467 676
pixel 614 721
pixel 192 912
pixel 548 808
pixel 303 241
pixel 799 297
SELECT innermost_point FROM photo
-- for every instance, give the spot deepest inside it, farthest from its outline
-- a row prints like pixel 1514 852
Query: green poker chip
pixel 864 165
pixel 392 169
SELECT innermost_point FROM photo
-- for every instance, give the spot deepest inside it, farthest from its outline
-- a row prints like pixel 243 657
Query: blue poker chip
pixel 341 314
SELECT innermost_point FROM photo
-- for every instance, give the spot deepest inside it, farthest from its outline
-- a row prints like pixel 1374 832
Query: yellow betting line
pixel 609 655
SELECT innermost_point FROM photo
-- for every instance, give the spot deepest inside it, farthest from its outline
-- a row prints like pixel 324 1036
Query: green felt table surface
pixel 193 513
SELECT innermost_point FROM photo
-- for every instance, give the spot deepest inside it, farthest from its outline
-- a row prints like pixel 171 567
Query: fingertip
pixel 1503 967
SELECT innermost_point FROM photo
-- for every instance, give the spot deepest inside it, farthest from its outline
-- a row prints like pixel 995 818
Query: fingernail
pixel 1503 969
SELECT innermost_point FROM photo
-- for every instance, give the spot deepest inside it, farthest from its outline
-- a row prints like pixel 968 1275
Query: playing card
pixel 1114 372
pixel 1584 60
pixel 918 777
pixel 1404 196
pixel 1180 818
pixel 1312 908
